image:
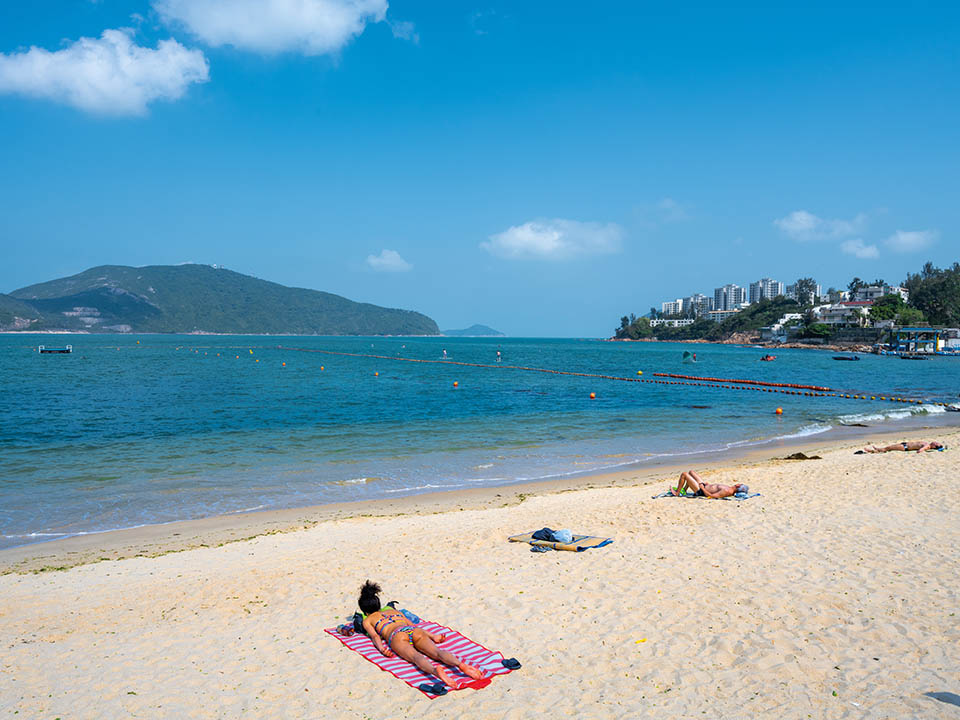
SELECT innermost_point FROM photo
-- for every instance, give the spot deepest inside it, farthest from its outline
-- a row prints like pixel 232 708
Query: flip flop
pixel 511 663
pixel 433 689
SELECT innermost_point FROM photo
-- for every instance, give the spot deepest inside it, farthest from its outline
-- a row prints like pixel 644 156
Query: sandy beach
pixel 832 595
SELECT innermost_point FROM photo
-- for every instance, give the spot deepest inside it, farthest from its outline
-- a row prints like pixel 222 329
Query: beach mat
pixel 578 544
pixel 461 646
pixel 697 497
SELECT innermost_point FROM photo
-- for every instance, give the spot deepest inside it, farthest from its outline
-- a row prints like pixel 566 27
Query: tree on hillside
pixel 806 291
pixel 910 316
pixel 633 328
pixel 855 285
pixel 936 293
pixel 886 308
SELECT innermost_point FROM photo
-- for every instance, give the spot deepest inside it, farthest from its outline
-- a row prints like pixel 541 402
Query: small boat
pixel 66 350
pixel 913 357
pixel 768 358
pixel 846 357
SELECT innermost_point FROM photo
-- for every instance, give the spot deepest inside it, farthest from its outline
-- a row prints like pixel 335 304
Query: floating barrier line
pixel 691 380
pixel 746 382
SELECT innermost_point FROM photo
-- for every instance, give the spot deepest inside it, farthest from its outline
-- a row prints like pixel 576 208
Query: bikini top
pixel 386 621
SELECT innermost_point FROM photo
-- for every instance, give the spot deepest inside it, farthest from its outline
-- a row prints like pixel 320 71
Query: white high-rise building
pixel 765 289
pixel 729 297
pixel 697 305
pixel 672 307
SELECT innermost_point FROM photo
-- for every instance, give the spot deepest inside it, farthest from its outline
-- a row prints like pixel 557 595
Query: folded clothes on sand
pixel 493 663
pixel 577 543
pixel 553 536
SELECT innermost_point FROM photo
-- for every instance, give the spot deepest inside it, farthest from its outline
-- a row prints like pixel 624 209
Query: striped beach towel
pixel 461 646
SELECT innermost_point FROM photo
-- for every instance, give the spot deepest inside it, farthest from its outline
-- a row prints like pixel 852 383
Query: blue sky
pixel 541 167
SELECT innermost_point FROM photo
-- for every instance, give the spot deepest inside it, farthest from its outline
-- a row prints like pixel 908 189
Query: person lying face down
pixel 393 634
pixel 691 481
pixel 917 445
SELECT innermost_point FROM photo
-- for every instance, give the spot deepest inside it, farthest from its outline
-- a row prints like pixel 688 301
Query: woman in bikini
pixel 917 445
pixel 392 634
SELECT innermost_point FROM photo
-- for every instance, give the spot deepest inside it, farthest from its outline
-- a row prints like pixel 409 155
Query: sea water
pixel 133 430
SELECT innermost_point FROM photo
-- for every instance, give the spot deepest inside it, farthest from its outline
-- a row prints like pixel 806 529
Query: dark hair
pixel 369 597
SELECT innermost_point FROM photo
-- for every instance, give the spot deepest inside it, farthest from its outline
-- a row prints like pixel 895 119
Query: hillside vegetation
pixel 200 298
pixel 16 315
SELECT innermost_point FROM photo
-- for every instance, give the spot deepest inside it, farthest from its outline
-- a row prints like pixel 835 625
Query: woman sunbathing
pixel 392 633
pixel 917 445
pixel 690 480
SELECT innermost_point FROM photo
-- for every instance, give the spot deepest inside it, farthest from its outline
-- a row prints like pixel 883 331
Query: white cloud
pixel 311 27
pixel 555 240
pixel 388 261
pixel 805 226
pixel 860 249
pixel 110 74
pixel 404 30
pixel 903 241
pixel 671 211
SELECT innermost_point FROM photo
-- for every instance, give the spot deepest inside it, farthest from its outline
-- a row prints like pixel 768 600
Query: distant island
pixel 195 299
pixel 474 331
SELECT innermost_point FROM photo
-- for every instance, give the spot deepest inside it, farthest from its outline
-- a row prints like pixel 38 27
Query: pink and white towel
pixel 463 647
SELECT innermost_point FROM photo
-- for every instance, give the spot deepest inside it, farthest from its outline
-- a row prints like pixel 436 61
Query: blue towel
pixel 741 496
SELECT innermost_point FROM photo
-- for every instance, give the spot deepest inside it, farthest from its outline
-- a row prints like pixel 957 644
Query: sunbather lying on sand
pixel 692 482
pixel 393 634
pixel 917 445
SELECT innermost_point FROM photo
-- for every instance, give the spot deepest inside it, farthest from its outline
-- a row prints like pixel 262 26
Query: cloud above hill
pixel 388 261
pixel 805 226
pixel 110 75
pixel 268 27
pixel 904 241
pixel 556 239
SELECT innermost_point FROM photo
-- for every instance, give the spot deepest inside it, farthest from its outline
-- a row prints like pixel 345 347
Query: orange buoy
pixel 284 364
pixel 257 360
pixel 321 367
pixel 593 396
pixel 779 411
pixel 456 384
pixel 376 374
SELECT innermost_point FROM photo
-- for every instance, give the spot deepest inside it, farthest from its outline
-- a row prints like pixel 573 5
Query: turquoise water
pixel 120 434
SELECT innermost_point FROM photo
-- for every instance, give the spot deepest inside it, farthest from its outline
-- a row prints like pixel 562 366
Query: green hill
pixel 201 298
pixel 16 315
